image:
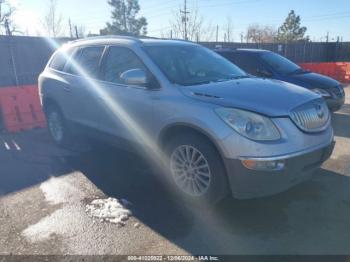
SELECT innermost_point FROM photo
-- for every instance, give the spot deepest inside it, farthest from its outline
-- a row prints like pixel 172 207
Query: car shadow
pixel 121 174
pixel 206 229
pixel 27 161
pixel 233 226
pixel 341 121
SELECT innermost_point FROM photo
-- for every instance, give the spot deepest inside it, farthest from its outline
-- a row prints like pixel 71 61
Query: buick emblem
pixel 319 110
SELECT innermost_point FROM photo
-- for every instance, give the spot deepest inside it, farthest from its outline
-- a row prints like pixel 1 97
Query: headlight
pixel 250 125
pixel 321 92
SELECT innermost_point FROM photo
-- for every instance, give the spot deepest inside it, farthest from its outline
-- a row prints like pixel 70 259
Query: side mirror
pixel 135 77
pixel 263 73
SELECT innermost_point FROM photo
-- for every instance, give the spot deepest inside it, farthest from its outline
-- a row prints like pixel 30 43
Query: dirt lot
pixel 44 191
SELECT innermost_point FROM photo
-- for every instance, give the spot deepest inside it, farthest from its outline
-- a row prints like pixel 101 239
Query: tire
pixel 205 175
pixel 57 126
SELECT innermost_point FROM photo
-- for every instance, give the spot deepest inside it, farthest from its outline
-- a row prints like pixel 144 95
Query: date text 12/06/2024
pixel 173 258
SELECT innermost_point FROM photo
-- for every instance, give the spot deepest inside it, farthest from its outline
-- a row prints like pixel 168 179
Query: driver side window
pixel 248 63
pixel 119 60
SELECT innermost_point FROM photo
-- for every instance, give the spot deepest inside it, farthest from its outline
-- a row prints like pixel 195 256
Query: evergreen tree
pixel 124 21
pixel 291 29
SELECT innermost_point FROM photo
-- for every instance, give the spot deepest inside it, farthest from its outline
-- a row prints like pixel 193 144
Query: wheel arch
pixel 174 129
pixel 47 102
pixel 183 128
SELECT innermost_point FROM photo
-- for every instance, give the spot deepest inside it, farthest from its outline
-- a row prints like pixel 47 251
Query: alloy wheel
pixel 190 170
pixel 56 126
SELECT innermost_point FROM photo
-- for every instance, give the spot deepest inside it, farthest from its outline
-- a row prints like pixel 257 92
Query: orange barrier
pixel 338 70
pixel 20 108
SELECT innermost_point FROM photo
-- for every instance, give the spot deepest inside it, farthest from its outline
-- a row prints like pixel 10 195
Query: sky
pixel 319 16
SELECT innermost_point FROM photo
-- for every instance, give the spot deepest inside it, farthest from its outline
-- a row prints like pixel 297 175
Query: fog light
pixel 273 165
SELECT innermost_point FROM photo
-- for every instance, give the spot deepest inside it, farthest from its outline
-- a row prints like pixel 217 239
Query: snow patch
pixel 109 210
pixel 62 190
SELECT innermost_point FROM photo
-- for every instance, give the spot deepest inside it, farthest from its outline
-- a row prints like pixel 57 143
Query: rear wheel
pixel 196 169
pixel 57 126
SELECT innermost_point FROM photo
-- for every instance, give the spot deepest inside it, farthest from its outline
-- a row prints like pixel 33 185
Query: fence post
pixel 13 60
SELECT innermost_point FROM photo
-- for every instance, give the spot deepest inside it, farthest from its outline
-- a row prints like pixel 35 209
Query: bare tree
pixel 6 14
pixel 207 32
pixel 81 31
pixel 228 30
pixel 53 21
pixel 261 34
pixel 197 29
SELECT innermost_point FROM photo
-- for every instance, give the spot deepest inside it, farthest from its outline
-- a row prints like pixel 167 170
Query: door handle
pixel 66 88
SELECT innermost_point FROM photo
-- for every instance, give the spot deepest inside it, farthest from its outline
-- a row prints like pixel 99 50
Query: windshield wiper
pixel 217 80
pixel 231 78
pixel 197 83
pixel 240 77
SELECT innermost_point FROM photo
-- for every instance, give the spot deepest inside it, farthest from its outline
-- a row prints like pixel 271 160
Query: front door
pixel 127 110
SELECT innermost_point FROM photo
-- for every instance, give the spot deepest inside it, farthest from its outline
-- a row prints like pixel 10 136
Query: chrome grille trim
pixel 312 117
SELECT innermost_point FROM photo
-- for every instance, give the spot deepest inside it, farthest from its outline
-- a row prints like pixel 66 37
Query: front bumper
pixel 247 183
pixel 334 104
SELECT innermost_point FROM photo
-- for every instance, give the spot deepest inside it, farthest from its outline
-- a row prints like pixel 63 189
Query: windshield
pixel 279 63
pixel 193 65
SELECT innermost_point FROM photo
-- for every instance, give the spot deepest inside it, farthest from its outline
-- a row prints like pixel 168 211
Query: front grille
pixel 311 117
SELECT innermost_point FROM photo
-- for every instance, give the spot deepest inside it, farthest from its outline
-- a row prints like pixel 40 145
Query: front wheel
pixel 196 169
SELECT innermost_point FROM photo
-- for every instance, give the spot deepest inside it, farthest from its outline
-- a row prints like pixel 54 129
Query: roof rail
pixel 177 39
pixel 132 38
pixel 107 37
pixel 221 48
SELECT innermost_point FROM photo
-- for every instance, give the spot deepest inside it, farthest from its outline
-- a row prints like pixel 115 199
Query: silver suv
pixel 213 129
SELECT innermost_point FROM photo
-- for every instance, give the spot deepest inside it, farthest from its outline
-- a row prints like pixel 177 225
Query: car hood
pixel 312 80
pixel 269 97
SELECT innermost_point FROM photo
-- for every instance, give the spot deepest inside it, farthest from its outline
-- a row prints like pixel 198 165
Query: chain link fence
pixel 306 52
pixel 22 59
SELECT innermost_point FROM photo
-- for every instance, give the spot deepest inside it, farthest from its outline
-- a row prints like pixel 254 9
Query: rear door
pixel 83 71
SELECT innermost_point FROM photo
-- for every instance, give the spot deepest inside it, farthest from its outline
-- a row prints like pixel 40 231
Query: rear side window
pixel 60 58
pixel 86 61
pixel 119 60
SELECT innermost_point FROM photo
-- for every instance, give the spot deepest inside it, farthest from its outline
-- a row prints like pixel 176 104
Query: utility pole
pixel 7 27
pixel 1 2
pixel 327 37
pixel 217 33
pixel 241 37
pixel 124 16
pixel 76 32
pixel 184 14
pixel 70 28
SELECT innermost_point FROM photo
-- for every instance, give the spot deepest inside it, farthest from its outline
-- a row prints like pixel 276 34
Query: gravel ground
pixel 44 191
